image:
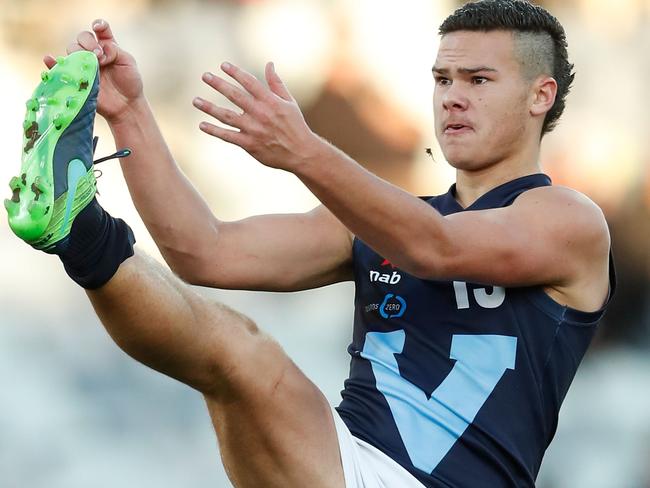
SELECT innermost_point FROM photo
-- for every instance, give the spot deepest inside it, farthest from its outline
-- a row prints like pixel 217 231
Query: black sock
pixel 97 245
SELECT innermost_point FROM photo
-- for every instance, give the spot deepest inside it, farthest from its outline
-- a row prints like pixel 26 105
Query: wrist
pixel 128 118
pixel 314 157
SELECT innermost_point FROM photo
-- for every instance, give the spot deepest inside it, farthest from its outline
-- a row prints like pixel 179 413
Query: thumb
pixel 276 85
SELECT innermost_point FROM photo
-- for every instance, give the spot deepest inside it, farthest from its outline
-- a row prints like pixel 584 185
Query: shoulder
pixel 561 198
pixel 566 211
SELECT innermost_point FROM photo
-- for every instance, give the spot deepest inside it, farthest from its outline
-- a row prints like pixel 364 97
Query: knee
pixel 261 369
pixel 245 361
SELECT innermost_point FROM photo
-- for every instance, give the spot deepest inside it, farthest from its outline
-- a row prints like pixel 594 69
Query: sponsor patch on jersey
pixel 382 277
pixel 393 306
pixel 391 279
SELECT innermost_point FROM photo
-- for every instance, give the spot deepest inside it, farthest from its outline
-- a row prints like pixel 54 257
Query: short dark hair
pixel 542 44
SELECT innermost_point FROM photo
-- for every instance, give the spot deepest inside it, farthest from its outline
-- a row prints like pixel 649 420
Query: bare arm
pixel 551 237
pixel 287 252
pixel 273 252
pixel 267 252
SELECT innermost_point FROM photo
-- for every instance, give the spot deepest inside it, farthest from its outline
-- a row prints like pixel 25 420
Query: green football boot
pixel 56 179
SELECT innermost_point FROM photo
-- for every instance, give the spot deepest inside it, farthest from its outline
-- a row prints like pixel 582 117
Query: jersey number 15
pixel 484 299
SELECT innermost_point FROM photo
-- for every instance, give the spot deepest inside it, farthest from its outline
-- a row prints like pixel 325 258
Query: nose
pixel 453 98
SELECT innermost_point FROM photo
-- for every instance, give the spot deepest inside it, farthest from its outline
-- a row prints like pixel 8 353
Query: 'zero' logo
pixel 392 307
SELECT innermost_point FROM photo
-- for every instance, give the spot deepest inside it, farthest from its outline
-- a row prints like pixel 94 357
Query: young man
pixel 473 308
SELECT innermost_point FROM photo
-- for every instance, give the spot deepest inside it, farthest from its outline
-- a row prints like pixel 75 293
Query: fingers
pixel 251 84
pixel 101 42
pixel 49 61
pixel 87 41
pixel 224 115
pixel 262 107
pixel 106 40
pixel 254 89
pixel 74 47
pixel 228 135
pixel 237 96
pixel 254 86
pixel 276 85
pixel 103 31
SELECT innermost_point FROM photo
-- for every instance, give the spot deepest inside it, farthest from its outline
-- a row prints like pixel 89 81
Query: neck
pixel 472 184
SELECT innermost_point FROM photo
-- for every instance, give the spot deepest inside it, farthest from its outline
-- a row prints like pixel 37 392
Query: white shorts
pixel 365 466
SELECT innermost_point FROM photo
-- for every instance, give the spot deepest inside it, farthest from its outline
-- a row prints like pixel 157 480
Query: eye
pixel 442 81
pixel 479 80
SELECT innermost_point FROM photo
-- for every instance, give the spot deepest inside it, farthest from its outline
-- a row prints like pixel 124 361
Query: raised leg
pixel 274 427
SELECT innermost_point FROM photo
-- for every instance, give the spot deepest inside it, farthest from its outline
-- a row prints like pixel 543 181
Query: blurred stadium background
pixel 76 412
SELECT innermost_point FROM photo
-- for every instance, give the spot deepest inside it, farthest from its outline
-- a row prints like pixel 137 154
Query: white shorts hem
pixel 365 466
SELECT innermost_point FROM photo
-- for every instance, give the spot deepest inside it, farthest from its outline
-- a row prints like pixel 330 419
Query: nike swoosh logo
pixel 76 171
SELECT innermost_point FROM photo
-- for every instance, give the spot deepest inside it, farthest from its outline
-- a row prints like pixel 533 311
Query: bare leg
pixel 274 426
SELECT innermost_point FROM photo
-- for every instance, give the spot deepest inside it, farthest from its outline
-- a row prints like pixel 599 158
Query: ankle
pixel 98 243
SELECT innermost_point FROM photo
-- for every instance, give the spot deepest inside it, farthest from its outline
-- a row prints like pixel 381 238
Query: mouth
pixel 456 129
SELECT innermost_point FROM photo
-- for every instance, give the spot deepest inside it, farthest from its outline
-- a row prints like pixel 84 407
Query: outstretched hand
pixel 120 82
pixel 271 127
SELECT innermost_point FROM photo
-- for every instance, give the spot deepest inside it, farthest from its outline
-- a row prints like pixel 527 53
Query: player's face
pixel 480 99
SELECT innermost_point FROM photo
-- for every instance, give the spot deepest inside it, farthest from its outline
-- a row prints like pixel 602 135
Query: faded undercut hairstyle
pixel 540 42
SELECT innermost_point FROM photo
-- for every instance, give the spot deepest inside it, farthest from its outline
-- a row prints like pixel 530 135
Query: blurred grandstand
pixel 77 412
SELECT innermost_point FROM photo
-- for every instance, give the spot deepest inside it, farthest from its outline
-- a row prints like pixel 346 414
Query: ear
pixel 544 91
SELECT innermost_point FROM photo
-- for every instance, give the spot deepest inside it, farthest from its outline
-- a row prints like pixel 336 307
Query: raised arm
pixel 274 252
pixel 286 252
pixel 552 237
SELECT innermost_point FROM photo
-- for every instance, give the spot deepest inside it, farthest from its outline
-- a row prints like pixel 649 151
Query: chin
pixel 463 158
pixel 460 159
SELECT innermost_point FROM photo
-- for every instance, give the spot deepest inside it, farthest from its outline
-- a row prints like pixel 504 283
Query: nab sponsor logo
pixel 391 279
pixel 388 278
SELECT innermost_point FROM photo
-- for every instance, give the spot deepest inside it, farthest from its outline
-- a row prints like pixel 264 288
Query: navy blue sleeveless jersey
pixel 460 383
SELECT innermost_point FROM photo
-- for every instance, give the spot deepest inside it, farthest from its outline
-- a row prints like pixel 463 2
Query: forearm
pixel 273 130
pixel 169 205
pixel 387 218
